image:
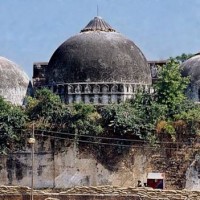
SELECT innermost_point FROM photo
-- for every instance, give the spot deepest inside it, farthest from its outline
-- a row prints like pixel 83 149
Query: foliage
pixel 171 86
pixel 181 114
pixel 122 119
pixel 85 120
pixel 50 113
pixel 12 120
pixel 47 110
pixel 190 119
pixel 166 128
pixel 148 108
pixel 135 119
pixel 184 121
pixel 183 57
pixel 151 112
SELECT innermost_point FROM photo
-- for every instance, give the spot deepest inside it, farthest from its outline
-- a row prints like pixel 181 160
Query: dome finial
pixel 97 10
pixel 98 24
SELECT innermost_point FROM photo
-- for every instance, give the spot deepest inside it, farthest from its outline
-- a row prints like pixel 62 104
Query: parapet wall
pixel 97 193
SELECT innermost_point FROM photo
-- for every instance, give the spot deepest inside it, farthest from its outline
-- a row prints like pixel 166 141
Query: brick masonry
pixel 97 193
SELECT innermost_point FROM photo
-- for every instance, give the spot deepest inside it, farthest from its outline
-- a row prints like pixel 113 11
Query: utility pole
pixel 31 141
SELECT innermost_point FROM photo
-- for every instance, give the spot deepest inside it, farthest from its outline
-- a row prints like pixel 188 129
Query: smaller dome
pixel 191 68
pixel 14 82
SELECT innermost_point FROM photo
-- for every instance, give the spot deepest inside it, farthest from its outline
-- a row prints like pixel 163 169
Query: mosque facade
pixel 98 65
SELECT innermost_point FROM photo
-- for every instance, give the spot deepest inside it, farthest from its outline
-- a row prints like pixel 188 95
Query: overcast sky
pixel 31 30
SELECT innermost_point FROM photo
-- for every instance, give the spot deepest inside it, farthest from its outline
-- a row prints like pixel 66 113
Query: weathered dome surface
pixel 191 67
pixel 14 82
pixel 98 54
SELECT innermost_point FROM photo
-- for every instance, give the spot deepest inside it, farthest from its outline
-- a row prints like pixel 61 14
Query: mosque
pixel 97 65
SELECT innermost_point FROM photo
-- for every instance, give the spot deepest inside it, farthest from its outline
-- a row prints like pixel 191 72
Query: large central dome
pixel 98 54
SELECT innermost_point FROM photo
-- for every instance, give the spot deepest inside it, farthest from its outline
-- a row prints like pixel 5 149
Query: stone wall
pixel 65 167
pixel 68 168
pixel 97 193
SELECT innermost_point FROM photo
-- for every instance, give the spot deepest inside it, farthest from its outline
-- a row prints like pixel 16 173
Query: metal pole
pixel 32 157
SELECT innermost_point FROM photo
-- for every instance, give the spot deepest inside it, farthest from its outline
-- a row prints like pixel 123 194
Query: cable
pixel 91 136
pixel 85 141
pixel 98 137
pixel 105 138
pixel 101 143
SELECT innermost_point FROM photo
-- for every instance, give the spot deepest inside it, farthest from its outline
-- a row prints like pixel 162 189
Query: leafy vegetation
pixel 170 86
pixel 183 57
pixel 12 121
pixel 47 111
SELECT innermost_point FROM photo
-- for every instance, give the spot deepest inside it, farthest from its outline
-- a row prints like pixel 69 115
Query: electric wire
pixel 102 143
pixel 92 136
pixel 86 141
pixel 142 142
pixel 105 138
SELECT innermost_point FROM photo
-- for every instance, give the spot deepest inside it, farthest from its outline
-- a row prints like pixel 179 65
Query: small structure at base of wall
pixel 156 180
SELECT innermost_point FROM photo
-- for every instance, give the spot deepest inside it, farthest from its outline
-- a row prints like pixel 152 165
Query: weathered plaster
pixel 67 169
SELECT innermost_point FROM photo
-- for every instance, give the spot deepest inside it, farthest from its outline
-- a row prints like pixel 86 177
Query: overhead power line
pixel 99 137
pixel 86 141
pixel 93 136
pixel 105 138
pixel 102 143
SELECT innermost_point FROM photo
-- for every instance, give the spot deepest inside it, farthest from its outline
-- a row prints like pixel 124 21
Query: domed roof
pixel 191 67
pixel 14 82
pixel 98 53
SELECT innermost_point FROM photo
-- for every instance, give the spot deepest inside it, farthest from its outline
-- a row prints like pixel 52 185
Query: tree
pixel 50 113
pixel 135 119
pixel 183 57
pixel 189 118
pixel 47 109
pixel 12 121
pixel 121 120
pixel 85 120
pixel 170 87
